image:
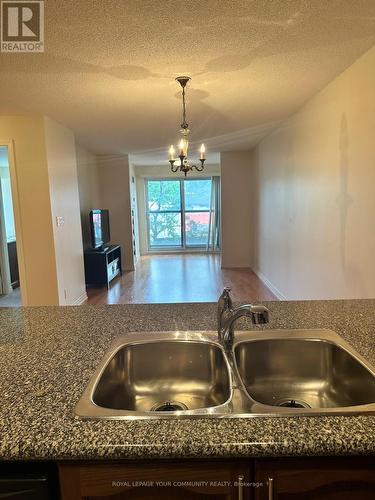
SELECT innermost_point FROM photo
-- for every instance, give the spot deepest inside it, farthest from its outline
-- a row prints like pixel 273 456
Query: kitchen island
pixel 48 354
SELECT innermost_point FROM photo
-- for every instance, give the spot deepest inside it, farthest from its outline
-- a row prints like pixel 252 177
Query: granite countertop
pixel 48 354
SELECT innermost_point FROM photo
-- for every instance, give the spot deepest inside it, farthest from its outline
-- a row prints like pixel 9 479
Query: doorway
pixel 10 294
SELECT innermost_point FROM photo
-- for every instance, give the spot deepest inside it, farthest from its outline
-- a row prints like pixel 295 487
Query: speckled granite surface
pixel 47 356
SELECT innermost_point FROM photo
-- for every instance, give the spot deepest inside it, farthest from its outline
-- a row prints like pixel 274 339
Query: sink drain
pixel 293 403
pixel 169 406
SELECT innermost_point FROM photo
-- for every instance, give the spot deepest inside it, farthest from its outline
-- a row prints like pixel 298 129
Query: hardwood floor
pixel 180 278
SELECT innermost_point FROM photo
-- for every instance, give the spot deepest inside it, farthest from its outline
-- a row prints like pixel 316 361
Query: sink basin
pixel 159 376
pixel 268 372
pixel 303 373
pixel 164 376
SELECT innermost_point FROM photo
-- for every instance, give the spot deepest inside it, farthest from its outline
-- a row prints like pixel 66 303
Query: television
pixel 99 226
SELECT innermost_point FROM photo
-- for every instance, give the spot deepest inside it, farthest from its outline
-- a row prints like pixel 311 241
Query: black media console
pixel 101 266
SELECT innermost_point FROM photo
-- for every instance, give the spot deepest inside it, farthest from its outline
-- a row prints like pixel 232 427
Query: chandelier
pixel 184 165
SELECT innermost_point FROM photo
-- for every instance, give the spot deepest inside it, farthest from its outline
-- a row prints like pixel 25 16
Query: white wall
pixel 235 209
pixel 63 184
pixel 313 185
pixel 115 196
pixel 32 205
pixel 89 189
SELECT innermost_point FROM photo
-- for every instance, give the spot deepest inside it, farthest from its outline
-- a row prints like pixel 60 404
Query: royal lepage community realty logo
pixel 22 26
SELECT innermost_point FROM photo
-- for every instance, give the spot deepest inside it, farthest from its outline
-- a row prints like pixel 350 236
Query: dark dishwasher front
pixel 28 481
pixel 19 487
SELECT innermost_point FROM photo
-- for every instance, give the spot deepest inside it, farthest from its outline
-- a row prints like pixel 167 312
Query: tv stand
pixel 102 265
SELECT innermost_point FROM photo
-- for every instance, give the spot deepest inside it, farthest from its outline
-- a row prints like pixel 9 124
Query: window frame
pixel 183 247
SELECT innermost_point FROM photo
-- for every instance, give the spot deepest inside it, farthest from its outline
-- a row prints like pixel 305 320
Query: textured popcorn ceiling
pixel 109 67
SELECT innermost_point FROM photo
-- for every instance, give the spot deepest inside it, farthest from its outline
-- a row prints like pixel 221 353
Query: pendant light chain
pixel 184 125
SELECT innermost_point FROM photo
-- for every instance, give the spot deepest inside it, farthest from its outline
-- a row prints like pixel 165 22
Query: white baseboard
pixel 80 300
pixel 269 285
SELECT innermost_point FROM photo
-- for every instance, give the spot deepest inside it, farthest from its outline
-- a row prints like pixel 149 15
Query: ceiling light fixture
pixel 184 165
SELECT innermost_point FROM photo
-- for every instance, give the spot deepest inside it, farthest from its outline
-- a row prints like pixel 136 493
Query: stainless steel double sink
pixel 267 372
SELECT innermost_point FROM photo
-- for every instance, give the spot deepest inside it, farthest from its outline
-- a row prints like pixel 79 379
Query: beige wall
pixel 164 171
pixel 89 189
pixel 235 209
pixel 115 196
pixel 63 184
pixel 38 265
pixel 104 182
pixel 313 194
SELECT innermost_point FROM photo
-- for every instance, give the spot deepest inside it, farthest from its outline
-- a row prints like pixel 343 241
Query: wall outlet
pixel 66 294
pixel 60 221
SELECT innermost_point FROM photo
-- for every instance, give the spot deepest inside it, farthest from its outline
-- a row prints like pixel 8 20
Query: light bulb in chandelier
pixel 172 153
pixel 183 147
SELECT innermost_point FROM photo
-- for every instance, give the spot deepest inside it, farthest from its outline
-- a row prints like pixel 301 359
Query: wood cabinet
pixel 155 481
pixel 335 478
pixel 315 479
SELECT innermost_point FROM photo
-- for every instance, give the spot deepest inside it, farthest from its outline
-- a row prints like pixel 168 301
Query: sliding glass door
pixel 164 213
pixel 197 203
pixel 178 213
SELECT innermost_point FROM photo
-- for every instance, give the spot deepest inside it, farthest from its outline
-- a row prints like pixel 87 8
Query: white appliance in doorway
pixel 7 226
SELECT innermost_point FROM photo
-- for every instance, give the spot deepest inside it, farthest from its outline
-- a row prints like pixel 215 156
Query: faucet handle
pixel 223 304
pixel 259 315
pixel 225 299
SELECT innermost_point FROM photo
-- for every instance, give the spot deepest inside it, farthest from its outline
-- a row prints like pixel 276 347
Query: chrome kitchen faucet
pixel 227 316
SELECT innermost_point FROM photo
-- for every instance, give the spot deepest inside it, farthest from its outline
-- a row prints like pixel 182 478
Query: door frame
pixel 9 143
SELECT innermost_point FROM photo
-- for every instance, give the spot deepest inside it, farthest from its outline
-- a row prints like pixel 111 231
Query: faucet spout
pixel 227 316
